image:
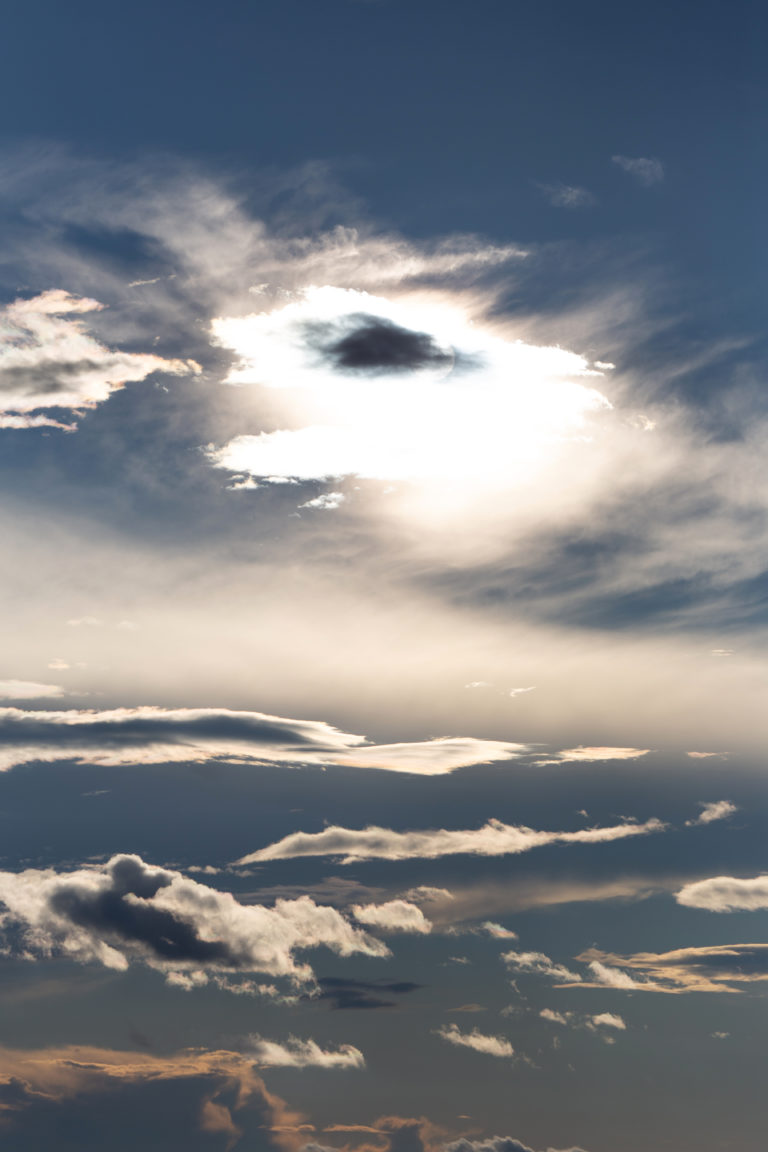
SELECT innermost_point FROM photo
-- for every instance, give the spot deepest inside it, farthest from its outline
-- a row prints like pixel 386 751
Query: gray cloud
pixel 377 345
pixel 127 911
pixel 646 169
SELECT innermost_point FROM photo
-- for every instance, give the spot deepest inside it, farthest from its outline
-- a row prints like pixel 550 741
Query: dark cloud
pixel 376 345
pixel 342 993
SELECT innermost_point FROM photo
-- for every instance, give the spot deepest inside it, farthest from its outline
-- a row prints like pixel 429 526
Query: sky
pixel 384 525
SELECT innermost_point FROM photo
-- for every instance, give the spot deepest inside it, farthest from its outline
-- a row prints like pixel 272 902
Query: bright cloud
pixel 126 911
pixel 394 916
pixel 726 894
pixel 582 755
pixel 477 1041
pixel 492 839
pixel 718 968
pixel 539 964
pixel 400 390
pixel 49 360
pixel 28 689
pixel 295 1053
pixel 717 810
pixel 153 735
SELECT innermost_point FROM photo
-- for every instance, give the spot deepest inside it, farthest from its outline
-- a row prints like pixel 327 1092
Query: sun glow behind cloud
pixel 402 391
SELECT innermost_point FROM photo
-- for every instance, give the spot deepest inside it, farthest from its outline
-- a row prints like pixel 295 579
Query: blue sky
pixel 384 519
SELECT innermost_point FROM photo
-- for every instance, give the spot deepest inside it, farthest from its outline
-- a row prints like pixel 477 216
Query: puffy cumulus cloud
pixel 126 911
pixel 296 1053
pixel 592 1023
pixel 646 169
pixel 719 968
pixel 28 689
pixel 539 964
pixel 227 1086
pixel 609 1020
pixel 400 390
pixel 716 810
pixel 726 894
pixel 477 1041
pixel 492 839
pixel 153 735
pixel 394 916
pixel 49 360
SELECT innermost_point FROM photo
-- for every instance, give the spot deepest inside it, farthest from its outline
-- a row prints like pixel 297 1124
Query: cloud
pixel 48 360
pixel 327 501
pixel 394 916
pixel 228 1085
pixel 154 735
pixel 646 169
pixel 296 1053
pixel 539 964
pixel 126 911
pixel 493 839
pixel 342 993
pixel 555 1017
pixel 726 894
pixel 592 1023
pixel 582 755
pixel 716 810
pixel 609 1020
pixel 498 931
pixel 28 689
pixel 567 195
pixel 497 1144
pixel 399 390
pixel 477 1041
pixel 707 969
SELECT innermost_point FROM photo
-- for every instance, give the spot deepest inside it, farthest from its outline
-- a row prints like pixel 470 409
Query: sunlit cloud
pixel 296 1053
pixel 394 916
pixel 716 810
pixel 726 894
pixel 717 968
pixel 478 1041
pixel 29 689
pixel 493 839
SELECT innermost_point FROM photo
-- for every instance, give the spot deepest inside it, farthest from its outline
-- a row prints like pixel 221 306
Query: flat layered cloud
pixel 296 1053
pixel 477 1041
pixel 492 839
pixel 154 735
pixel 394 916
pixel 127 912
pixel 28 690
pixel 49 360
pixel 719 968
pixel 582 755
pixel 726 894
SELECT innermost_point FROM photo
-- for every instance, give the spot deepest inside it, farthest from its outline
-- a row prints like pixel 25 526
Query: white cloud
pixel 539 964
pixel 555 1017
pixel 726 894
pixel 647 169
pixel 609 1020
pixel 296 1053
pixel 492 839
pixel 717 968
pixel 126 911
pixel 588 755
pixel 717 810
pixel 498 931
pixel 48 360
pixel 28 689
pixel 153 735
pixel 477 1041
pixel 429 397
pixel 394 916
pixel 327 502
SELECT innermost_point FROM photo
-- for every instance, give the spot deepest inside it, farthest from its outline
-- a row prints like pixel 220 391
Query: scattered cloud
pixel 295 1053
pixel 609 1020
pixel 716 810
pixel 394 916
pixel 477 1041
pixel 539 964
pixel 493 839
pixel 587 755
pixel 726 894
pixel 126 911
pixel 567 195
pixel 48 359
pixel 498 931
pixel 327 502
pixel 646 169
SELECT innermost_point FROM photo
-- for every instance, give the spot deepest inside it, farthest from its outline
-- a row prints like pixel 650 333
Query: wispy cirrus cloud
pixel 493 839
pixel 716 968
pixel 647 170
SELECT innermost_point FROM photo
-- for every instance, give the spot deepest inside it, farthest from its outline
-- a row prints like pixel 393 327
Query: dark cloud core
pixel 377 345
